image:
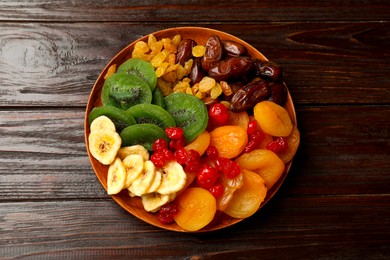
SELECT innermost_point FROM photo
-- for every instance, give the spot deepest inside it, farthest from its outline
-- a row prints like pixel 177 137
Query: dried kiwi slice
pixel 143 134
pixel 151 114
pixel 189 113
pixel 158 98
pixel 140 68
pixel 119 117
pixel 124 90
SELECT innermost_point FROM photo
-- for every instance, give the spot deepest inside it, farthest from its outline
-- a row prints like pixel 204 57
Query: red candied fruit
pixel 190 159
pixel 255 139
pixel 159 145
pixel 228 167
pixel 174 132
pixel 168 154
pixel 176 144
pixel 181 155
pixel 218 114
pixel 167 213
pixel 278 145
pixel 193 161
pixel 252 126
pixel 217 190
pixel 207 176
pixel 212 152
pixel 158 159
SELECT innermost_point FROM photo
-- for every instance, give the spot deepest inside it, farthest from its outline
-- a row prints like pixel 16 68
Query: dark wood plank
pixel 193 11
pixel 99 228
pixel 324 63
pixel 345 147
pixel 43 151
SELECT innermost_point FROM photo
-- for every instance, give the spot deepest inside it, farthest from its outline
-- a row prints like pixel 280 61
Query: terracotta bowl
pixel 134 205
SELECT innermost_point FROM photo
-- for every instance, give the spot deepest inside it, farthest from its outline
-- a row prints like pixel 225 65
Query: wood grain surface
pixel 335 202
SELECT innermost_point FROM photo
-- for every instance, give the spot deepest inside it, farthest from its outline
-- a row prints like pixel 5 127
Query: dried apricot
pixel 238 118
pixel 230 186
pixel 272 118
pixel 247 200
pixel 229 140
pixel 200 143
pixel 293 142
pixel 197 208
pixel 266 163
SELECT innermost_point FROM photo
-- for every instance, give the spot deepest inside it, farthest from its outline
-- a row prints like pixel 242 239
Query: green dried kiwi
pixel 151 114
pixel 124 91
pixel 142 134
pixel 140 68
pixel 189 113
pixel 158 98
pixel 119 117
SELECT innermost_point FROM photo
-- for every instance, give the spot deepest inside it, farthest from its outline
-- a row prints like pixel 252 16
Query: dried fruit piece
pixel 197 208
pixel 273 119
pixel 111 70
pixel 101 122
pixel 293 143
pixel 200 143
pixel 104 145
pixel 206 84
pixel 134 149
pixel 218 114
pixel 189 113
pixel 230 186
pixel 116 177
pixel 247 200
pixel 266 163
pixel 134 165
pixel 238 119
pixel 198 51
pixel 229 140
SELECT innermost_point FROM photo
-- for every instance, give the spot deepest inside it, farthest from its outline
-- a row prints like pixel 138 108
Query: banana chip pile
pixel 131 169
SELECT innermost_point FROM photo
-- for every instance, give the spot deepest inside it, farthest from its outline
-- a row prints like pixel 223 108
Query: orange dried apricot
pixel 200 143
pixel 230 186
pixel 265 162
pixel 273 119
pixel 229 140
pixel 239 119
pixel 197 208
pixel 247 200
pixel 293 142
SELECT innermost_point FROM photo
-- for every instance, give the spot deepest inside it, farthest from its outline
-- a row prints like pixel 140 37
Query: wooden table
pixel 335 202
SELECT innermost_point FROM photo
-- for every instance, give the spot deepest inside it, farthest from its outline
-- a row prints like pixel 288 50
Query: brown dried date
pixel 268 70
pixel 213 52
pixel 249 95
pixel 197 73
pixel 233 49
pixel 235 86
pixel 235 68
pixel 184 51
pixel 278 92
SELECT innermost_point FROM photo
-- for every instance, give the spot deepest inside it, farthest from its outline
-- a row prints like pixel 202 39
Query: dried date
pixel 197 73
pixel 268 70
pixel 213 52
pixel 233 49
pixel 235 68
pixel 249 95
pixel 278 92
pixel 184 51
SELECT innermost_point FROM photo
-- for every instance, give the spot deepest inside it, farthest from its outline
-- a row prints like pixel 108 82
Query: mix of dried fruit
pixel 193 129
